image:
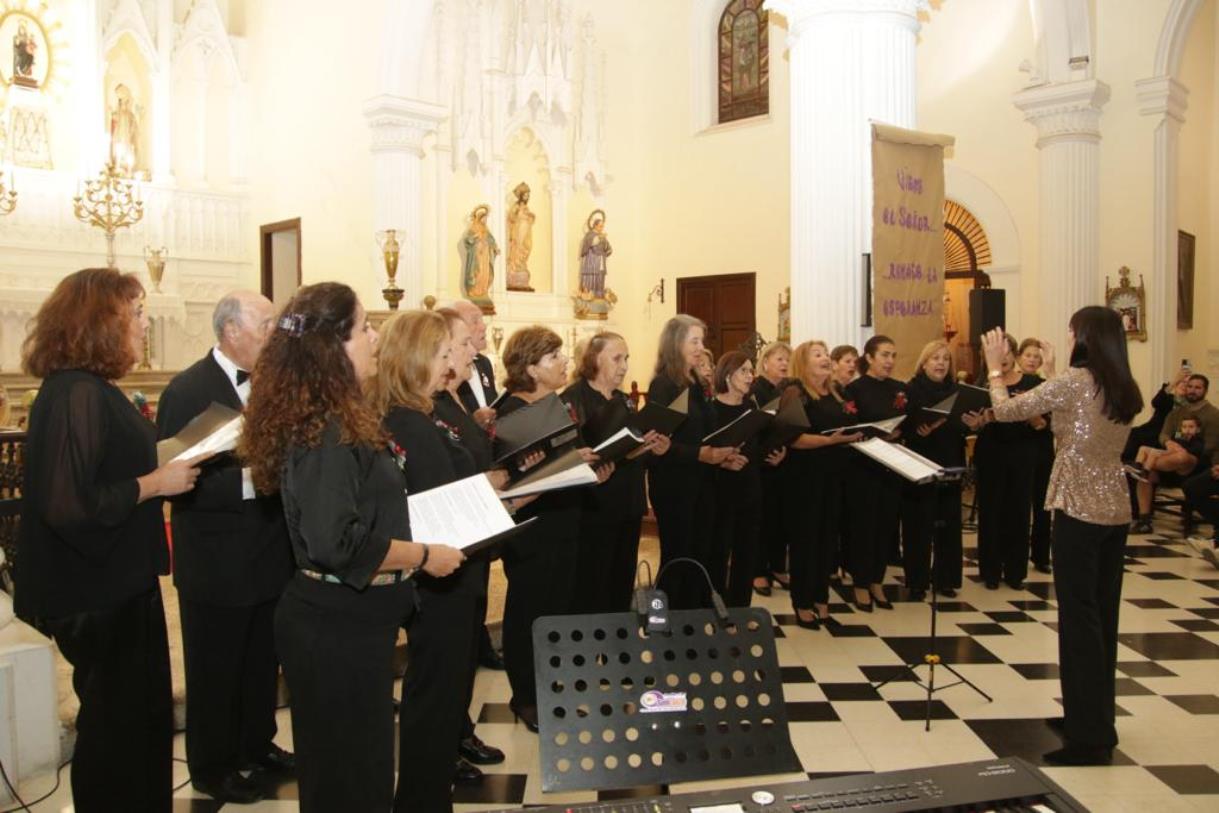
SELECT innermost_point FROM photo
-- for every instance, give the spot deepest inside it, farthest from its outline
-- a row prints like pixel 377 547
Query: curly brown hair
pixel 304 381
pixel 84 325
pixel 525 347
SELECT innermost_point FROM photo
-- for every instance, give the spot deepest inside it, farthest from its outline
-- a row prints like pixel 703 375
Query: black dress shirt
pixel 946 443
pixel 622 496
pixel 343 505
pixel 473 437
pixel 85 544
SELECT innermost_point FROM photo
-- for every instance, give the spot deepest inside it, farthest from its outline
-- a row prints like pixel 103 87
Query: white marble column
pixel 399 126
pixel 1166 98
pixel 1067 118
pixel 851 62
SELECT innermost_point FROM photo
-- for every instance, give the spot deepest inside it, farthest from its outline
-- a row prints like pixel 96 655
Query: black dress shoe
pixel 762 591
pixel 466 774
pixel 1080 755
pixel 948 592
pixel 490 659
pixel 1016 585
pixel 782 584
pixel 863 608
pixel 831 623
pixel 231 787
pixel 918 595
pixel 1056 723
pixel 526 714
pixel 992 585
pixel 474 750
pixel 882 603
pixel 812 624
pixel 276 761
pixel 1042 568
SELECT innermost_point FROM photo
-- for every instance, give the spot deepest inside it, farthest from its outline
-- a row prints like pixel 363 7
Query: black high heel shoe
pixel 812 624
pixel 762 589
pixel 525 714
pixel 882 602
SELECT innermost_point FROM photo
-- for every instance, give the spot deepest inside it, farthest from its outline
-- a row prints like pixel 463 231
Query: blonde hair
pixel 930 349
pixel 670 363
pixel 770 349
pixel 801 368
pixel 409 343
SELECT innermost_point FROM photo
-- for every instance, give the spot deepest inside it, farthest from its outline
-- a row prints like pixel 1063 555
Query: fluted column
pixel 1166 98
pixel 398 128
pixel 852 61
pixel 1067 118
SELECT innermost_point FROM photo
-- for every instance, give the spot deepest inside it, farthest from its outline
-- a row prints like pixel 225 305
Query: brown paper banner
pixel 908 239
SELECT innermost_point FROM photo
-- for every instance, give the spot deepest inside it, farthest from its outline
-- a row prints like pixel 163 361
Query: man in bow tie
pixel 231 562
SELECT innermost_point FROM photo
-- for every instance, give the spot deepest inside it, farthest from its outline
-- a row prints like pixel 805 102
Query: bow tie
pixel 242 377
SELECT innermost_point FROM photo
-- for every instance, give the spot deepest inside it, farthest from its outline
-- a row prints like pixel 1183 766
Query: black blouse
pixel 1018 433
pixel 474 438
pixel 946 443
pixel 745 484
pixel 699 422
pixel 877 399
pixel 433 454
pixel 85 544
pixel 764 392
pixel 343 504
pixel 622 496
pixel 564 500
pixel 824 413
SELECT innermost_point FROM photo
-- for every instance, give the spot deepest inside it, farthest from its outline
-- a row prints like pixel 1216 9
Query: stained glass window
pixel 744 61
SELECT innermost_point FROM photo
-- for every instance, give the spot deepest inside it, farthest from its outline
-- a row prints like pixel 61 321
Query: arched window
pixel 965 244
pixel 744 61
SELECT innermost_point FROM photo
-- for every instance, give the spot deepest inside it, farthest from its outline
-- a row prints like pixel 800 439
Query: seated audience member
pixel 1207 415
pixel 1202 495
pixel 1169 397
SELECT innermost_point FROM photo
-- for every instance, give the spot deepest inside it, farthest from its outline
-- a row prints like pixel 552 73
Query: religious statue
pixel 124 132
pixel 594 300
pixel 25 48
pixel 479 263
pixel 520 239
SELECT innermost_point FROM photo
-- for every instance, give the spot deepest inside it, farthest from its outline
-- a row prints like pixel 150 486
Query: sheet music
pixel 460 513
pixel 214 430
pixel 911 465
pixel 223 439
pixel 579 475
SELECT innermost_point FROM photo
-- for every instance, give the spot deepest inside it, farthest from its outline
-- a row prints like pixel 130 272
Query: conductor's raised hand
pixel 442 560
pixel 994 345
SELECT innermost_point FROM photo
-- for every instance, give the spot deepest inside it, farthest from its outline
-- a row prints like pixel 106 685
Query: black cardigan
pixel 84 543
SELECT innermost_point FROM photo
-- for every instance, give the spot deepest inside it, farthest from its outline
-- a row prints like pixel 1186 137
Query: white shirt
pixel 243 392
pixel 476 385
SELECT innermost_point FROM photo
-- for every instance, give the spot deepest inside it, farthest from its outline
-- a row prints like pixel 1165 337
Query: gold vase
pixel 390 249
pixel 155 258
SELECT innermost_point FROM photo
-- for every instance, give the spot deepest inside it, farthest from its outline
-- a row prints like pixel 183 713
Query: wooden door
pixel 280 259
pixel 726 303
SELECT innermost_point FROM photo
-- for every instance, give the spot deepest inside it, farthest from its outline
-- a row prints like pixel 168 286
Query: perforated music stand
pixel 610 700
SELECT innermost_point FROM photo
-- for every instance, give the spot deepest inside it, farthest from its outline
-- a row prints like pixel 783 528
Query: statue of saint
pixel 25 49
pixel 479 263
pixel 124 131
pixel 520 239
pixel 593 250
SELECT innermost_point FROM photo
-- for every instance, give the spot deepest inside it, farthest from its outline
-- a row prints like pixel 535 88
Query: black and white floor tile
pixel 1004 641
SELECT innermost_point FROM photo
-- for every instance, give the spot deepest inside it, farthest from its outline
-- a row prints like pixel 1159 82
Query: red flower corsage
pixel 452 431
pixel 849 408
pixel 399 454
pixel 899 403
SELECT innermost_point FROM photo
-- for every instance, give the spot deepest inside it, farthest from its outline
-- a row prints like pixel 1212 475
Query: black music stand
pixel 932 659
pixel 610 700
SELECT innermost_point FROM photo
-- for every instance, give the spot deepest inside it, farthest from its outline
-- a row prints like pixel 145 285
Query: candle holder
pixel 390 249
pixel 8 197
pixel 155 259
pixel 110 203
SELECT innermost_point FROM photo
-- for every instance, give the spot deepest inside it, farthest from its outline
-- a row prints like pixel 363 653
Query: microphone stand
pixel 932 659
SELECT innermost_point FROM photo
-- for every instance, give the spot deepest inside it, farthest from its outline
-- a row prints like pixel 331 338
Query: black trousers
pixel 540 564
pixel 606 559
pixel 231 674
pixel 874 508
pixel 776 532
pixel 684 518
pixel 813 548
pixel 124 729
pixel 1004 491
pixel 1200 493
pixel 337 650
pixel 1043 462
pixel 733 559
pixel 922 505
pixel 442 657
pixel 1088 586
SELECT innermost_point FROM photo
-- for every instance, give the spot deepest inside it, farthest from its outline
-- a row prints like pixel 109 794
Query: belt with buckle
pixel 378 580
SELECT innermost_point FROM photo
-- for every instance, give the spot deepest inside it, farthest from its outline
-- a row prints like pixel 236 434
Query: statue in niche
pixel 25 50
pixel 478 270
pixel 124 131
pixel 594 300
pixel 520 239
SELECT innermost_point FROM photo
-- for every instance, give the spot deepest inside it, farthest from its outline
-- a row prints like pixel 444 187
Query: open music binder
pixel 911 465
pixel 545 425
pixel 466 514
pixel 875 429
pixel 568 470
pixel 967 398
pixel 214 430
pixel 741 430
pixel 662 419
pixel 790 422
pixel 619 445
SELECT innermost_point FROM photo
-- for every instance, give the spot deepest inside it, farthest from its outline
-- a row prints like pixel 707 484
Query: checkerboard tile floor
pixel 1004 641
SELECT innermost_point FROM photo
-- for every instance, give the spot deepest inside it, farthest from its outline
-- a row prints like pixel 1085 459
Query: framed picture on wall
pixel 1185 280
